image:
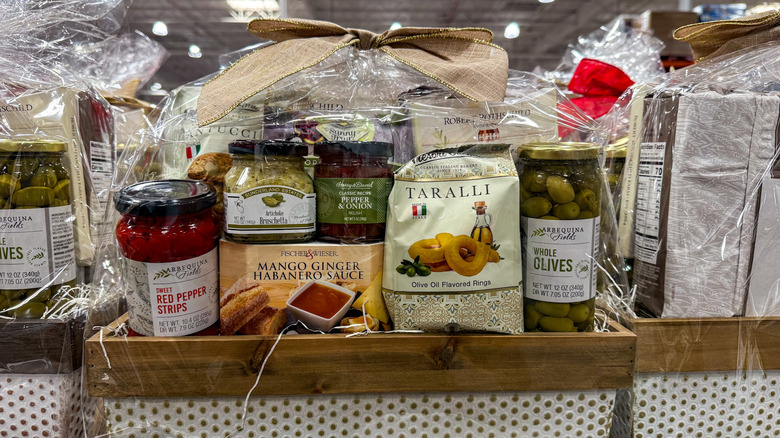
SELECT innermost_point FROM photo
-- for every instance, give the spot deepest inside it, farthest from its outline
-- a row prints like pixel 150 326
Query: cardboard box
pixel 282 268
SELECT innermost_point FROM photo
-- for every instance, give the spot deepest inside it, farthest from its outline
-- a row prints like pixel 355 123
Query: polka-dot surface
pixel 729 404
pixel 40 405
pixel 527 414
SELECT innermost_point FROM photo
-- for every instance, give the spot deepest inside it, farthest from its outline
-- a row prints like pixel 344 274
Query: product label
pixel 560 259
pixel 36 247
pixel 269 210
pixel 101 163
pixel 173 299
pixel 280 269
pixel 317 129
pixel 440 124
pixel 648 201
pixel 352 200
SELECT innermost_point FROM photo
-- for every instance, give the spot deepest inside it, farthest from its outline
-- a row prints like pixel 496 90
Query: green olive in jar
pixel 587 200
pixel 560 189
pixel 8 185
pixel 568 211
pixel 535 181
pixel 27 310
pixel 536 207
pixel 33 197
pixel 44 176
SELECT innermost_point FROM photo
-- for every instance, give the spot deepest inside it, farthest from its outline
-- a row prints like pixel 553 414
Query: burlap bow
pixel 464 60
pixel 716 38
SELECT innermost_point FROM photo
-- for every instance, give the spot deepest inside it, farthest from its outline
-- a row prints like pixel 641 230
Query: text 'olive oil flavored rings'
pixel 560 206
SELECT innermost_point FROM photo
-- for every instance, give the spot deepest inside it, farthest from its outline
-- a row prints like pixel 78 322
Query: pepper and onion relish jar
pixel 168 239
pixel 37 258
pixel 353 181
pixel 560 230
pixel 269 197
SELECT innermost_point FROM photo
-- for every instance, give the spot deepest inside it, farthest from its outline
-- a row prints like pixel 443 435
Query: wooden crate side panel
pixel 226 366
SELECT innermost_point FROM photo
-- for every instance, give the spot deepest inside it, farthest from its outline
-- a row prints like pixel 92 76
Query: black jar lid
pixel 267 147
pixel 168 197
pixel 361 148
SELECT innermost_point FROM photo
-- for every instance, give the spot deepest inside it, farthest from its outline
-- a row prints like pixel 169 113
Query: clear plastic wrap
pixel 698 220
pixel 57 151
pixel 365 113
pixel 617 43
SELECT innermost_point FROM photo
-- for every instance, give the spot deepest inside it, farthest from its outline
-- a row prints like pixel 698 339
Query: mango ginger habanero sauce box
pixel 280 269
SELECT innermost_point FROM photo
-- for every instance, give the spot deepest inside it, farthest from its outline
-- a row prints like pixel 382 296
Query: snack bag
pixel 452 247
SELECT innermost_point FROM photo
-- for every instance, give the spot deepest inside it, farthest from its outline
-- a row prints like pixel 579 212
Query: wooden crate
pixel 702 377
pixel 379 363
pixel 41 346
pixel 709 344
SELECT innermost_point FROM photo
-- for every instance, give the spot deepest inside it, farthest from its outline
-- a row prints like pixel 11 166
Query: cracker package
pixel 452 247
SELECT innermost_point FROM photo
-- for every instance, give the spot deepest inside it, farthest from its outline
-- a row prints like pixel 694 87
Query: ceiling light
pixel 546 1
pixel 160 28
pixel 512 30
pixel 247 10
pixel 395 26
pixel 195 51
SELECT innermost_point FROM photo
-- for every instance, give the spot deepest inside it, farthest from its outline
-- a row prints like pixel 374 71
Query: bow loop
pixel 464 60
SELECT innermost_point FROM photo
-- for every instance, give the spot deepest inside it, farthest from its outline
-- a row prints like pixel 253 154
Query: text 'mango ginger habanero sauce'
pixel 352 181
pixel 168 237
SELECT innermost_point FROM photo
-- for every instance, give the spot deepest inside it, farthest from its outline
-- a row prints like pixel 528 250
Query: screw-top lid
pixel 267 147
pixel 362 149
pixel 165 198
pixel 559 151
pixel 8 145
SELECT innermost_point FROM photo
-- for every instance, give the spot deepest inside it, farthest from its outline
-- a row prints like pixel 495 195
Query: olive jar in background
pixel 560 208
pixel 269 197
pixel 36 227
pixel 353 181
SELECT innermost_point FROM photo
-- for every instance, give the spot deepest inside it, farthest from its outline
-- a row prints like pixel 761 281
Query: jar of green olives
pixel 614 160
pixel 269 197
pixel 560 208
pixel 36 233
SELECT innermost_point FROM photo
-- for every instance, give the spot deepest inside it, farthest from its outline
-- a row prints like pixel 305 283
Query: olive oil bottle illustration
pixel 481 231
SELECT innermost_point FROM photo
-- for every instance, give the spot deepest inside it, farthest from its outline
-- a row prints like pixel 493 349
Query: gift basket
pixel 698 212
pixel 360 207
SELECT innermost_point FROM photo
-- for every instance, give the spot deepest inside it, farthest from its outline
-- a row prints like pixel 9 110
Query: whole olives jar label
pixel 352 200
pixel 174 298
pixel 36 244
pixel 270 210
pixel 560 259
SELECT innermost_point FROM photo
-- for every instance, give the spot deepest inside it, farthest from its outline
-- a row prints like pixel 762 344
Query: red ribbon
pixel 600 85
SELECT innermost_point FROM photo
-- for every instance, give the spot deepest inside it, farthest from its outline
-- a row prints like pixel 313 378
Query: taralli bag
pixel 452 247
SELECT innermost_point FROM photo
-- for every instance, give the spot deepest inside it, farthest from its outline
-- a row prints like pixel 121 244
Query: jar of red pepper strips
pixel 352 182
pixel 168 237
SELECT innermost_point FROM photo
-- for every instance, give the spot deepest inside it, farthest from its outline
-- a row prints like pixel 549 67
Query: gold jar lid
pixel 32 145
pixel 617 149
pixel 560 151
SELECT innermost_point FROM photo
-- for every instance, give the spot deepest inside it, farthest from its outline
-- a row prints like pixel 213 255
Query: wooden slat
pixel 711 344
pixel 41 346
pixel 313 364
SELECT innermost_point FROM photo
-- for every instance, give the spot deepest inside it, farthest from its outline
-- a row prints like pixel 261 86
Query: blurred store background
pixel 534 32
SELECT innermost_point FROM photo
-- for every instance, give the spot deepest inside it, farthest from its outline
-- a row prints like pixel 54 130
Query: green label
pixel 352 200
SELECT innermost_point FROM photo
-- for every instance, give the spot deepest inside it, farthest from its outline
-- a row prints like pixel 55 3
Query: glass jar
pixel 614 160
pixel 353 181
pixel 560 221
pixel 36 228
pixel 269 197
pixel 168 239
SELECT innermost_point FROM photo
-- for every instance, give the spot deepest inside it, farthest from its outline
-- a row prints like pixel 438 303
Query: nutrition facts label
pixel 648 201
